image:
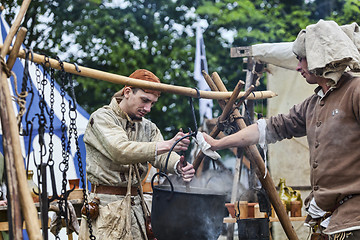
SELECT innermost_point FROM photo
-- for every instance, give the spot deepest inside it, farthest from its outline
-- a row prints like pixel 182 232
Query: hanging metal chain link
pixel 66 79
pixel 73 126
pixel 43 108
pixel 64 165
pixel 28 87
pixel 41 166
pixel 51 117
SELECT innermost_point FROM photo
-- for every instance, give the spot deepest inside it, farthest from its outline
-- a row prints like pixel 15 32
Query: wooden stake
pixel 215 131
pixel 14 210
pixel 15 49
pixel 253 155
pixel 8 120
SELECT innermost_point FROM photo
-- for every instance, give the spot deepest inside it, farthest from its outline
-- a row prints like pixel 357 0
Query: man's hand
pixel 165 146
pixel 186 169
pixel 209 140
pixel 182 145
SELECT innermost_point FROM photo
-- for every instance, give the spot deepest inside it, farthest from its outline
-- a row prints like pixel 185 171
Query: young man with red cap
pixel 119 141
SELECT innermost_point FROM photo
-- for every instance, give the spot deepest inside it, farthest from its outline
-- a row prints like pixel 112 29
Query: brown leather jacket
pixel 332 126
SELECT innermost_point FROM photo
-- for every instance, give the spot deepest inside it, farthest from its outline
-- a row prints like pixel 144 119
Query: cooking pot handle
pixel 172 147
pixel 163 175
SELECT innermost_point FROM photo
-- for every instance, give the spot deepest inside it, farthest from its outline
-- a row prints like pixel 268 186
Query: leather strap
pixel 342 201
pixel 112 190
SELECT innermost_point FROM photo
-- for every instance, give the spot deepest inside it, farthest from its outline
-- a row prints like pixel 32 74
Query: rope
pixel 5 67
pixel 19 99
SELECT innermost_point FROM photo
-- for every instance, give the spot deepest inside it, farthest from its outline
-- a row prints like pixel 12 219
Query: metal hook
pixel 77 67
pixel 193 114
pixel 72 107
pixel 197 93
pixel 29 51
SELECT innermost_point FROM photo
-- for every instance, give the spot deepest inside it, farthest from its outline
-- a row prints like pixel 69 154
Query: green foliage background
pixel 159 35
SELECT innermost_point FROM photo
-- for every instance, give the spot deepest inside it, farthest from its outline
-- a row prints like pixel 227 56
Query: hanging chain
pixel 73 126
pixel 41 83
pixel 51 117
pixel 29 89
pixel 64 165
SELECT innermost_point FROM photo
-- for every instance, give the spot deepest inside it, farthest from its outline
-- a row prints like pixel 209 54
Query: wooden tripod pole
pixel 215 131
pixel 227 109
pixel 253 155
pixel 8 121
pixel 118 79
pixel 14 209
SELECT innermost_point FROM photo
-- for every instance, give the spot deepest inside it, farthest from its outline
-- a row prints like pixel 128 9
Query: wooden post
pixel 162 87
pixel 253 155
pixel 215 131
pixel 14 211
pixel 15 49
pixel 234 191
pixel 8 121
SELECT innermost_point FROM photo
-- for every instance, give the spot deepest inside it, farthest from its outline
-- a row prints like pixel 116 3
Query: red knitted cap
pixel 146 75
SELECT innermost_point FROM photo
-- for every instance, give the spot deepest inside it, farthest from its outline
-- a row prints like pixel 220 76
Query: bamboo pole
pixel 253 155
pixel 162 87
pixel 8 122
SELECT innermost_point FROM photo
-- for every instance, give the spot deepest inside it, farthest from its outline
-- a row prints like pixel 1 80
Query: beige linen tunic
pixel 113 141
pixel 332 126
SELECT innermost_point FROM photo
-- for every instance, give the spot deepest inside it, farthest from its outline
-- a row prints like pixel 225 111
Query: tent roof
pixel 279 54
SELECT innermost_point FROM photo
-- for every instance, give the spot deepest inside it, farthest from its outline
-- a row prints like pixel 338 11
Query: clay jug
pixel 33 188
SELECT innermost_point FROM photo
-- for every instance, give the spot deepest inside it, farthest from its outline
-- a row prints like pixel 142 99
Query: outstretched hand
pixel 209 140
pixel 186 169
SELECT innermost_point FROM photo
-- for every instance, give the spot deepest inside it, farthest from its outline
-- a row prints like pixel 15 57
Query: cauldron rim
pixel 202 191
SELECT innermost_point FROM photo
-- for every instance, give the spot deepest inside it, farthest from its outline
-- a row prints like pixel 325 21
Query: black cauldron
pixel 256 228
pixel 180 212
pixel 253 229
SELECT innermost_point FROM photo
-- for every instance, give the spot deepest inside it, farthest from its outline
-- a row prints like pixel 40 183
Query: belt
pixel 113 190
pixel 342 201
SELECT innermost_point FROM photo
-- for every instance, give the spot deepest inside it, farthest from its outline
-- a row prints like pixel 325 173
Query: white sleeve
pixel 261 123
pixel 262 130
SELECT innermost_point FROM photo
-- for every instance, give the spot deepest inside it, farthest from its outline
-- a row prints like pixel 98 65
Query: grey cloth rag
pixel 329 48
pixel 205 147
pixel 56 225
